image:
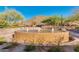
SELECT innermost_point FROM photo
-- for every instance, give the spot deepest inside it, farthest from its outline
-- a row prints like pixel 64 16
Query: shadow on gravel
pixel 32 48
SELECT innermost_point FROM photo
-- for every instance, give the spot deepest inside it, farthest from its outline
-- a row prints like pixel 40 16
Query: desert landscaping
pixel 38 34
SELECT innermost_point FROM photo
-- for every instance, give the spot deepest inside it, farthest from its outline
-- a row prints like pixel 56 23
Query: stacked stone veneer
pixel 39 38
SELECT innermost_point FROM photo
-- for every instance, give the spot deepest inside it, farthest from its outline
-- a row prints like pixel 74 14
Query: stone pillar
pixel 39 29
pixel 27 29
pixel 52 29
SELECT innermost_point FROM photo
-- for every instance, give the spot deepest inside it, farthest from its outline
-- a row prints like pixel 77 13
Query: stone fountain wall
pixel 39 38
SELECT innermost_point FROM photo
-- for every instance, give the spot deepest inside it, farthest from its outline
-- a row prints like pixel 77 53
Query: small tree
pixel 11 16
pixel 54 20
pixel 57 47
pixel 3 24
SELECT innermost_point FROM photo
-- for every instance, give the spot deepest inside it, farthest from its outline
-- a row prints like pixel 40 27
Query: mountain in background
pixel 36 20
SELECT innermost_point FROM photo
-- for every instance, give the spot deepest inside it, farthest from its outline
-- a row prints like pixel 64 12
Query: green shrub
pixel 29 48
pixel 14 44
pixel 2 43
pixel 71 39
pixel 55 49
pixel 76 48
pixel 2 40
pixel 4 25
pixel 77 28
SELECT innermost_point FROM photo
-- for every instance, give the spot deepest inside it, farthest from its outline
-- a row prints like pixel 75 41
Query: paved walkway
pixel 68 47
pixel 7 33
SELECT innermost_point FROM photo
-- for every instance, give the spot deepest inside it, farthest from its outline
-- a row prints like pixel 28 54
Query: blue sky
pixel 31 11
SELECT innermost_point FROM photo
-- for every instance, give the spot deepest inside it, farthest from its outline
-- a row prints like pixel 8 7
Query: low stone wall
pixel 38 38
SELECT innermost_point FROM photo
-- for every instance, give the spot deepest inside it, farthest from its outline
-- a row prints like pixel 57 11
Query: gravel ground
pixel 7 33
pixel 19 48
